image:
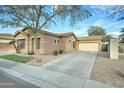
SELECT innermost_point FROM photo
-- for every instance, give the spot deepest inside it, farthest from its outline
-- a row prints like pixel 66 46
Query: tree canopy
pixel 106 38
pixel 38 16
pixel 111 12
pixel 121 36
pixel 117 12
pixel 95 31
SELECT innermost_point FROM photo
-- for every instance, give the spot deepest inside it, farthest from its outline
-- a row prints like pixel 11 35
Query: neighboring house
pixel 5 39
pixel 47 42
pixel 90 43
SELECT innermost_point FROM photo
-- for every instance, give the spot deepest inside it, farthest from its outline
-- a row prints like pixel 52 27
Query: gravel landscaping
pixel 109 71
pixel 44 59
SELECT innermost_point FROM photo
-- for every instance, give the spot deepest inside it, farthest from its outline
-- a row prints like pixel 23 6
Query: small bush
pixel 31 53
pixel 55 52
pixel 61 51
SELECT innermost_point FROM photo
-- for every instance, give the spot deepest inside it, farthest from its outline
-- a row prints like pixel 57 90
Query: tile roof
pixel 50 33
pixel 6 36
pixel 65 34
pixel 91 38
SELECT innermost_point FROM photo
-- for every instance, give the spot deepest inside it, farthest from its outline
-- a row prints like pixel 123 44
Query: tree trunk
pixel 15 47
pixel 28 42
pixel 35 46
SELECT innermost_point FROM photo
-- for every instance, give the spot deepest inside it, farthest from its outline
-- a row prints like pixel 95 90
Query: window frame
pixel 56 41
pixel 38 43
pixel 73 44
pixel 19 45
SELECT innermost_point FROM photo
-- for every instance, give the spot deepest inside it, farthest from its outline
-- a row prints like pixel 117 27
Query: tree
pixel 37 17
pixel 117 12
pixel 106 38
pixel 114 12
pixel 121 36
pixel 95 31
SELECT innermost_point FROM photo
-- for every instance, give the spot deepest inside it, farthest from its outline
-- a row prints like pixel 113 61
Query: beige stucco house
pixel 5 39
pixel 90 43
pixel 47 42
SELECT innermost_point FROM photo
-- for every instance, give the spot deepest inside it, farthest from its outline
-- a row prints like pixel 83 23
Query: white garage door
pixel 88 47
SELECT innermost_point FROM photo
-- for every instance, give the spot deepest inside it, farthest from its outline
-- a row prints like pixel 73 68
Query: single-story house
pixel 47 42
pixel 5 39
pixel 90 43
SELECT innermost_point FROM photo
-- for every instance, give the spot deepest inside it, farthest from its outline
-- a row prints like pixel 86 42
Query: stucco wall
pixel 21 36
pixel 31 44
pixel 6 47
pixel 63 43
pixel 49 45
pixel 113 49
pixel 69 44
pixel 4 44
pixel 46 43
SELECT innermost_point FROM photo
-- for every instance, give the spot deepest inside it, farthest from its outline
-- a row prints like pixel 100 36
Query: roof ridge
pixel 90 37
pixel 48 32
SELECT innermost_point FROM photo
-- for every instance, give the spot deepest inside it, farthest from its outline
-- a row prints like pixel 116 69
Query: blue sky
pixel 80 29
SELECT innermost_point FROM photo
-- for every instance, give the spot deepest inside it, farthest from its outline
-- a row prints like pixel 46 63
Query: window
pixel 38 43
pixel 58 41
pixel 21 43
pixel 73 44
pixel 54 41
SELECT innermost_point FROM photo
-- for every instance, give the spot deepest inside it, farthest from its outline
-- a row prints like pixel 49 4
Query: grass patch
pixel 16 58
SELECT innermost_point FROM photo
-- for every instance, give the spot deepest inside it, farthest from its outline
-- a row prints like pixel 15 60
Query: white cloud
pixel 121 26
pixel 80 32
pixel 99 22
pixel 115 34
pixel 114 25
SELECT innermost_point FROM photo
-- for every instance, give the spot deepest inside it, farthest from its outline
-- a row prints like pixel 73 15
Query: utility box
pixel 113 49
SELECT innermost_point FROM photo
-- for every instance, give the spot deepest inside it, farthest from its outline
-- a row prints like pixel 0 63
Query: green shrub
pixel 55 52
pixel 31 53
pixel 61 51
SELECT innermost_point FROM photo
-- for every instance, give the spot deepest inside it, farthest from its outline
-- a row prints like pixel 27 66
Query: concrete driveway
pixel 72 70
pixel 78 64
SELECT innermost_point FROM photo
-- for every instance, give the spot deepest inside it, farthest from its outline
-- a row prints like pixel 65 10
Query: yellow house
pixel 47 42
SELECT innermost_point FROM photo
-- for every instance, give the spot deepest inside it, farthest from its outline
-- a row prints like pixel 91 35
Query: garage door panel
pixel 88 47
